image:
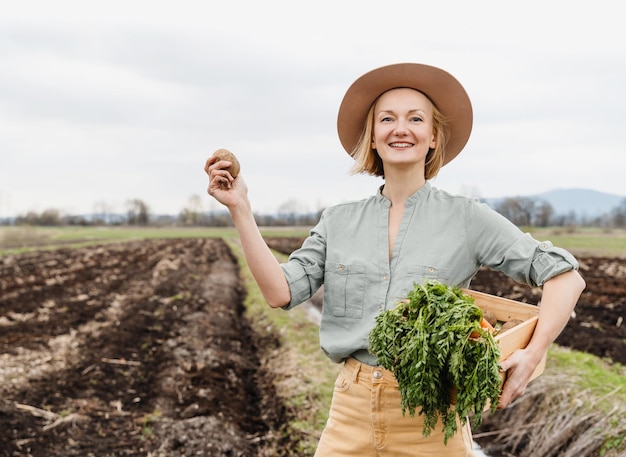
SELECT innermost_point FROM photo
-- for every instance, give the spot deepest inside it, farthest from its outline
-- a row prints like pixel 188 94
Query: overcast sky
pixel 106 101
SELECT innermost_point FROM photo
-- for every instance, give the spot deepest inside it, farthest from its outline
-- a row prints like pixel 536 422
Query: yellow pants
pixel 366 419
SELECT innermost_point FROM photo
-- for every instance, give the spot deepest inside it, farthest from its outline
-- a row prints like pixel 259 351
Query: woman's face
pixel 403 127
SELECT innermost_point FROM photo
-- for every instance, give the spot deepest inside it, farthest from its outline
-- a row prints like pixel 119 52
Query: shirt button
pixel 340 267
pixel 385 277
pixel 431 269
pixel 378 374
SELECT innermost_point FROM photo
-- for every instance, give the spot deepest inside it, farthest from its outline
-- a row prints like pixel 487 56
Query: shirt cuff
pixel 550 261
pixel 302 281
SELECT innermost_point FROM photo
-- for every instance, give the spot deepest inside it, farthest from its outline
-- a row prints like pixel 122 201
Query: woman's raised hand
pixel 225 183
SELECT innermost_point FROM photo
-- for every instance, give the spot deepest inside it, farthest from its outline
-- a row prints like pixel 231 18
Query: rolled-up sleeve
pixel 550 261
pixel 500 245
pixel 303 281
pixel 304 270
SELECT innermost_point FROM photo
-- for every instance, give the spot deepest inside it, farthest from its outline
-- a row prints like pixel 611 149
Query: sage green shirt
pixel 441 236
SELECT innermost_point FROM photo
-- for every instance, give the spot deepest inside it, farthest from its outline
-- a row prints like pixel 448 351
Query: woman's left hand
pixel 519 367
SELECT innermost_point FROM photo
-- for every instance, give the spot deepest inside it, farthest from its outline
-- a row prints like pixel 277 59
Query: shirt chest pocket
pixel 421 273
pixel 344 289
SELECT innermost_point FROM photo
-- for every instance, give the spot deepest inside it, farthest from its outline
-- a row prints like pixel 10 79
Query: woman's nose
pixel 401 128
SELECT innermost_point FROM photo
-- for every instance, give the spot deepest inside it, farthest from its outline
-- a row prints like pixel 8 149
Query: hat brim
pixel 446 93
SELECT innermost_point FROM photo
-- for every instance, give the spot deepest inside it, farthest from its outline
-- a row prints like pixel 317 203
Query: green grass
pixel 585 241
pixel 606 380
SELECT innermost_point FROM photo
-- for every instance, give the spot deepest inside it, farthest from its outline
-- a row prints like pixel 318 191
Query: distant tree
pixel 543 214
pixel 49 218
pixel 138 212
pixel 30 218
pixel 519 210
pixel 508 208
pixel 571 219
pixel 218 219
pixel 289 211
pixel 190 215
pixel 76 220
pixel 618 214
pixel 102 212
pixel 525 211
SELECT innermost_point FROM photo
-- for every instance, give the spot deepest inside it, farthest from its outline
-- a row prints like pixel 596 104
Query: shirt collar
pixel 420 194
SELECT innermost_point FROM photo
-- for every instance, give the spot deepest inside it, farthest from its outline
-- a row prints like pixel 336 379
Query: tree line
pixel 521 211
pixel 526 211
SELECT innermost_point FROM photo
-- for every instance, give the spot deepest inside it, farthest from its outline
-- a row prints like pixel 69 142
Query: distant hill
pixel 586 203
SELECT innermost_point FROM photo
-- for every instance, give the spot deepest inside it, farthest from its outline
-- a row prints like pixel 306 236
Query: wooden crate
pixel 505 309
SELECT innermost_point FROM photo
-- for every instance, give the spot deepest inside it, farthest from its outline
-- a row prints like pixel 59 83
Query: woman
pixel 402 122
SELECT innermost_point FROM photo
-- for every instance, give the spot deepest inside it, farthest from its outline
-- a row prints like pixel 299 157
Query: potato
pixel 490 317
pixel 225 154
pixel 510 324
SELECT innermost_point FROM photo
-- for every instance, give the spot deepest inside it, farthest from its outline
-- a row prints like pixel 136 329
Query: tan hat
pixel 439 86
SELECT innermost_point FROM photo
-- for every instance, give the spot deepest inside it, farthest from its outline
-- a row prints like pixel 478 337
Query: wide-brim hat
pixel 443 90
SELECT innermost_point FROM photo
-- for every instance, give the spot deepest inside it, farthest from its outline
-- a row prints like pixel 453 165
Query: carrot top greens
pixel 425 341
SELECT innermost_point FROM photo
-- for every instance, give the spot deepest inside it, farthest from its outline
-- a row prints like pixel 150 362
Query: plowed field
pixel 142 348
pixel 135 348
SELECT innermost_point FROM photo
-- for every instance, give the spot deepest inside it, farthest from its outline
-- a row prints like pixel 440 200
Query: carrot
pixel 484 323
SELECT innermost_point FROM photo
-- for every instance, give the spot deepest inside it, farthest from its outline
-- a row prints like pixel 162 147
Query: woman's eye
pixel 416 119
pixel 386 119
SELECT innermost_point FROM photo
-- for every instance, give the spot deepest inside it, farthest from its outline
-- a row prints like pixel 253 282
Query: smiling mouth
pixel 401 145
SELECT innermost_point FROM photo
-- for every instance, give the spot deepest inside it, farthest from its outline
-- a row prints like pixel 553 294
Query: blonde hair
pixel 367 160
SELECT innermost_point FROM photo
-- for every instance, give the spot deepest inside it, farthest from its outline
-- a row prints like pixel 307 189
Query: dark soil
pixel 135 348
pixel 143 349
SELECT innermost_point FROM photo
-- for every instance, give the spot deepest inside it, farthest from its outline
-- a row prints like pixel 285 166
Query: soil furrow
pixel 163 362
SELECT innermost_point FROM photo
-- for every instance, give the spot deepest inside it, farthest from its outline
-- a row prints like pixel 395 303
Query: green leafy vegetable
pixel 425 341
